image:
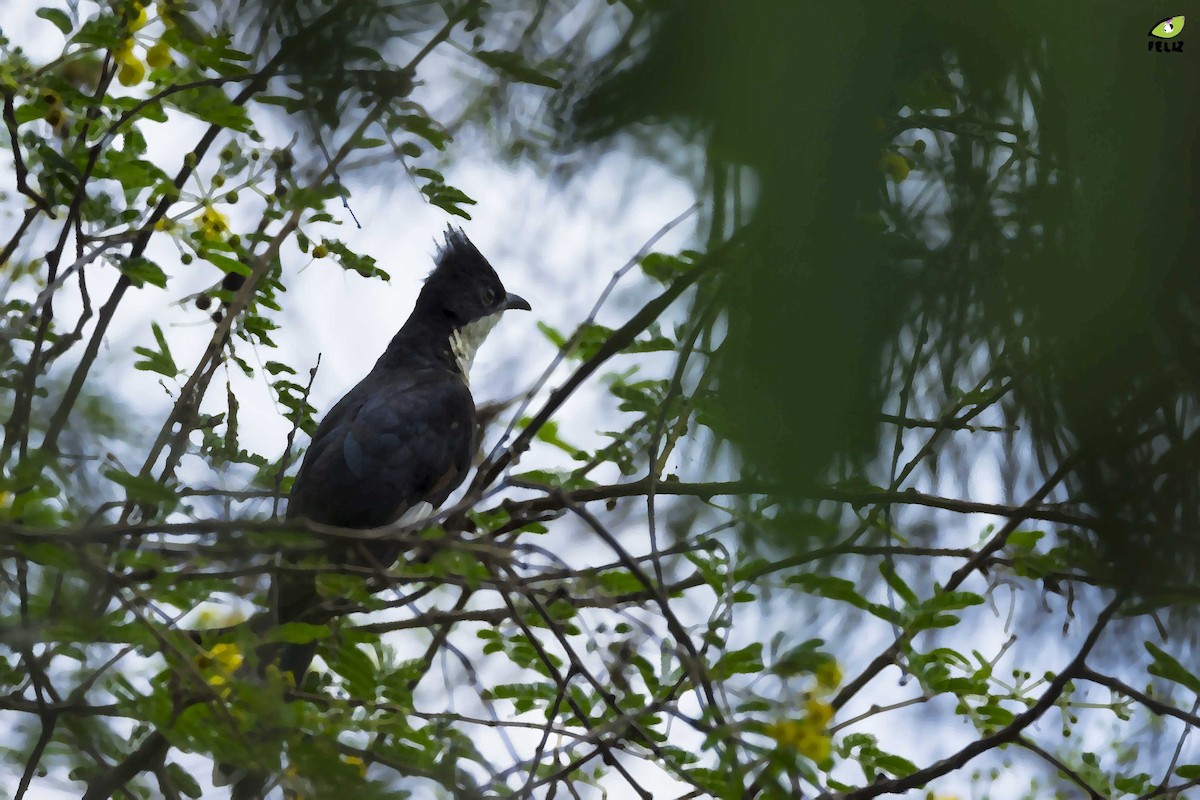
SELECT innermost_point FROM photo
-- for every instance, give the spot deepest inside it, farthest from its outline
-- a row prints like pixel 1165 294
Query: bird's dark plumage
pixel 398 443
pixel 402 439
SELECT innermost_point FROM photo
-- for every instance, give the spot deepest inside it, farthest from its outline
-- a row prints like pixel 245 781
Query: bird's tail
pixel 296 600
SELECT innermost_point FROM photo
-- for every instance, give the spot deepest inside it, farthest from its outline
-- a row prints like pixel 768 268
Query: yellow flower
pixel 818 712
pixel 785 732
pixel 227 657
pixel 131 72
pixel 355 761
pixel 816 746
pixel 124 51
pixel 211 616
pixel 139 21
pixel 218 664
pixel 895 165
pixel 159 55
pixel 803 736
pixel 829 675
pixel 213 224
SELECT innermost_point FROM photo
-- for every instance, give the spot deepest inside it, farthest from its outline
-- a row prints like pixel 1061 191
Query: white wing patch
pixel 465 341
pixel 416 513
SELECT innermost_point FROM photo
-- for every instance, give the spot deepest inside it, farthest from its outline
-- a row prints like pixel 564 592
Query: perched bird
pixel 395 447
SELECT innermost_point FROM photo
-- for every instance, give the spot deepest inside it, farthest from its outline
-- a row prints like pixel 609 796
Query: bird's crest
pixel 458 256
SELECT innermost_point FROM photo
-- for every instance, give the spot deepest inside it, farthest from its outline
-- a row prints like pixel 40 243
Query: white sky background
pixel 555 247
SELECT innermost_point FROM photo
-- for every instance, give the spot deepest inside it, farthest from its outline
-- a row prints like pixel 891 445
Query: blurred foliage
pixel 1045 233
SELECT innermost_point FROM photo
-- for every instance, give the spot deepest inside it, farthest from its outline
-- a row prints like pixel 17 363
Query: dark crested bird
pixel 395 447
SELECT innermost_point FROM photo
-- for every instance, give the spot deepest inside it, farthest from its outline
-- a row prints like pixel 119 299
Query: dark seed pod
pixel 216 316
pixel 203 302
pixel 232 281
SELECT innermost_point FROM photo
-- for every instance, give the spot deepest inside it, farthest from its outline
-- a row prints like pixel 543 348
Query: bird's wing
pixel 392 442
pixel 395 446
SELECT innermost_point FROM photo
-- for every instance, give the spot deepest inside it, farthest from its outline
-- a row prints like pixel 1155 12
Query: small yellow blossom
pixel 829 675
pixel 131 73
pixel 139 20
pixel 159 55
pixel 132 70
pixel 895 165
pixel 124 51
pixel 218 664
pixel 816 746
pixel 213 224
pixel 803 736
pixel 819 712
pixel 227 657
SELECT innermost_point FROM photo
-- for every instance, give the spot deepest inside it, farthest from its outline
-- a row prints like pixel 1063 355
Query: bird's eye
pixel 487 295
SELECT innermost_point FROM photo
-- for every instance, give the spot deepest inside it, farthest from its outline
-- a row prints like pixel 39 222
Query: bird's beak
pixel 516 301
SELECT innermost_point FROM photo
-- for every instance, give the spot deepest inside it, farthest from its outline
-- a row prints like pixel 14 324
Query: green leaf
pixel 924 620
pixel 424 127
pixel 1135 784
pixel 160 360
pixel 995 715
pixel 588 340
pixel 664 268
pixel 57 17
pixel 555 337
pixel 1024 540
pixel 898 585
pixel 211 105
pixel 896 765
pixel 619 582
pixel 1165 666
pixel 142 487
pixel 831 587
pixel 356 670
pixel 951 601
pixel 548 433
pixel 1188 772
pixel 141 270
pixel 801 659
pixel 226 263
pixel 525 696
pixel 49 555
pixel 183 781
pixel 299 633
pixel 746 661
pixel 513 65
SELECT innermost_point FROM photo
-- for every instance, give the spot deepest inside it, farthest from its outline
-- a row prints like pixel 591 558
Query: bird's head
pixel 464 295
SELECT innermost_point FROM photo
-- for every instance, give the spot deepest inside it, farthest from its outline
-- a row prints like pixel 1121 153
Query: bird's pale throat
pixel 465 341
